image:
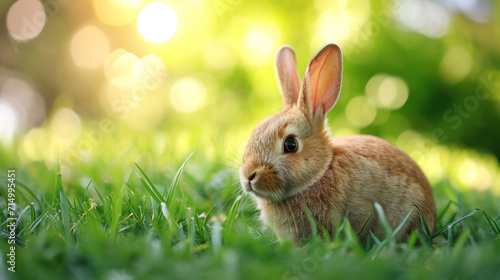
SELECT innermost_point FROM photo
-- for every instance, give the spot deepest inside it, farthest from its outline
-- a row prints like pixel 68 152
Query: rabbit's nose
pixel 251 176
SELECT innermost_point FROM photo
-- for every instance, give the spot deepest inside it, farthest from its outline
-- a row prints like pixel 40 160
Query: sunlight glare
pixel 157 22
pixel 129 3
pixel 260 43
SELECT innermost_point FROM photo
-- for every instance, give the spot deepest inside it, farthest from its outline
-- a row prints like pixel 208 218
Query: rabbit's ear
pixel 287 76
pixel 322 80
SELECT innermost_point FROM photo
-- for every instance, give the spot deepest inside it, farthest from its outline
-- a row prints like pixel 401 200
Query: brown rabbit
pixel 292 163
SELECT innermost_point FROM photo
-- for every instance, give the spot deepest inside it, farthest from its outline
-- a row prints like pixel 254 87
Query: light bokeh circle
pixel 89 47
pixel 25 19
pixel 157 22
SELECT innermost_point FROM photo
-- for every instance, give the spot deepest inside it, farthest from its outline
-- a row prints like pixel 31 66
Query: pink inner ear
pixel 296 87
pixel 325 76
pixel 315 96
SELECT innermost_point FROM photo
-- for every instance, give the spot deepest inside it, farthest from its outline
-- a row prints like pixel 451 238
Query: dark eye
pixel 290 145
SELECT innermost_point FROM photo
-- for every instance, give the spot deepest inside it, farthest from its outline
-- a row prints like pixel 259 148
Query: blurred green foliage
pixel 228 46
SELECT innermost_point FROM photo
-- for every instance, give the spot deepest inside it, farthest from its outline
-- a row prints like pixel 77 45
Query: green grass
pixel 182 223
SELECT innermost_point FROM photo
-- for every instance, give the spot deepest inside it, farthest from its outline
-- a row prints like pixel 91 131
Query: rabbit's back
pixel 374 170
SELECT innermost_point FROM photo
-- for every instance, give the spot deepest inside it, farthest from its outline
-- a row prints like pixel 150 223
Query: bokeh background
pixel 99 83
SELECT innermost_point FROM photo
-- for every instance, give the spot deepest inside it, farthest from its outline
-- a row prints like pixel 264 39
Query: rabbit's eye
pixel 290 145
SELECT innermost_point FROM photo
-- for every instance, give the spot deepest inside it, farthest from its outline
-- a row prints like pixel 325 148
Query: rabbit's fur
pixel 333 178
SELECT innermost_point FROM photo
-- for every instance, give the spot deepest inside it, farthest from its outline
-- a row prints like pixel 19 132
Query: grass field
pixel 183 223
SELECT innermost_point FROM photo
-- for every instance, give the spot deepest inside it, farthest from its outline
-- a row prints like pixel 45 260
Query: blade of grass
pixel 377 241
pixel 33 212
pixel 424 227
pixel 200 228
pixel 86 197
pixel 169 194
pixel 103 202
pixel 492 224
pixel 191 230
pixel 21 215
pixel 23 186
pixel 326 235
pixel 148 185
pixel 402 223
pixel 206 216
pixel 383 220
pixel 351 238
pixel 314 227
pixel 412 239
pixel 77 201
pixel 369 243
pixel 451 218
pixel 64 207
pixel 450 237
pixel 440 216
pixel 363 228
pixel 165 212
pixel 232 213
pixel 99 195
pixel 339 227
pixel 130 207
pixel 117 209
pixel 35 223
pixel 25 210
pixel 379 245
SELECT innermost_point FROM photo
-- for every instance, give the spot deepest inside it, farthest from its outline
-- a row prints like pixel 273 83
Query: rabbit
pixel 291 163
